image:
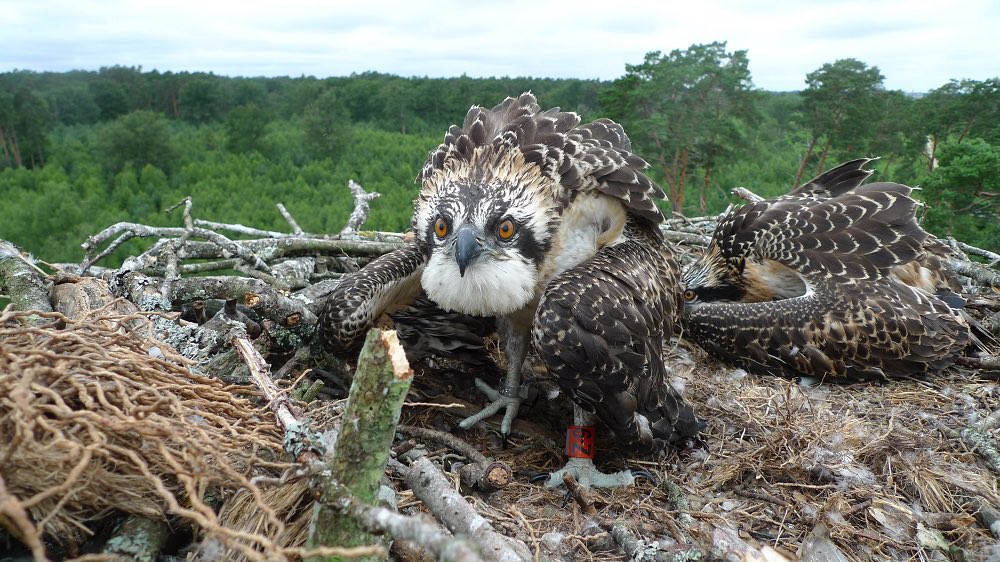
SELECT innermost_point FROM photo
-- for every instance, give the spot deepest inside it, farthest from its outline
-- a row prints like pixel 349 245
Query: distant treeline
pixel 81 150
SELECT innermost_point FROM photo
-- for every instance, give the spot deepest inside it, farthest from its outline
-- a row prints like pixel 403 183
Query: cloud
pixel 917 44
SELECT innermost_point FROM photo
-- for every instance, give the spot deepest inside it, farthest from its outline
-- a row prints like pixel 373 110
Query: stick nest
pixel 95 421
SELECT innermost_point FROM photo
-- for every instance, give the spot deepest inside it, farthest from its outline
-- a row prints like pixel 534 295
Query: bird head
pixel 710 278
pixel 494 193
pixel 485 230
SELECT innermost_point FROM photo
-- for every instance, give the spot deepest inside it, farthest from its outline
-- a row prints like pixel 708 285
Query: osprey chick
pixel 835 279
pixel 550 227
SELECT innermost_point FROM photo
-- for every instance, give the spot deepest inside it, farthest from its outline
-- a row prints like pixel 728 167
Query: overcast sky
pixel 918 45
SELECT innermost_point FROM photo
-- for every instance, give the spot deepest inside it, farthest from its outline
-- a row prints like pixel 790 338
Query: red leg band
pixel 580 442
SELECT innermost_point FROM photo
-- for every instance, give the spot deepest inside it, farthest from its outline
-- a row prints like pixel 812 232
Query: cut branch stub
pixel 367 430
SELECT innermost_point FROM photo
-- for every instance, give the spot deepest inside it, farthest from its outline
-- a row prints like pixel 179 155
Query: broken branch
pixel 366 432
pixel 431 487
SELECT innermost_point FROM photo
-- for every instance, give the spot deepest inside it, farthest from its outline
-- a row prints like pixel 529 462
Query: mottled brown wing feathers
pixel 391 280
pixel 592 156
pixel 856 235
pixel 599 329
pixel 846 332
pixel 425 330
pixel 836 181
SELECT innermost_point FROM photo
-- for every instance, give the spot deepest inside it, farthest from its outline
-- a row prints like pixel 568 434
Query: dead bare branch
pixel 459 517
pixel 746 194
pixel 361 208
pixel 482 473
pixel 296 229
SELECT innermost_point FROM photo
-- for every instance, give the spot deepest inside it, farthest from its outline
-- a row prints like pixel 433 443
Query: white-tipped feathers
pixel 835 279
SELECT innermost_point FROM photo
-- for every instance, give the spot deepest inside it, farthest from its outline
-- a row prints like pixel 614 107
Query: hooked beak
pixel 467 248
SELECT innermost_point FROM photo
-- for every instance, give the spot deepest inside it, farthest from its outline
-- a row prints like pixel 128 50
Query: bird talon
pixel 644 474
pixel 499 400
pixel 566 499
pixel 540 477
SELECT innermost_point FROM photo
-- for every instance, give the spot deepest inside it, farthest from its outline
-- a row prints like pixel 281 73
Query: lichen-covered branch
pixel 425 533
pixel 482 473
pixel 975 271
pixel 139 538
pixel 746 194
pixel 25 284
pixel 367 428
pixel 254 293
pixel 431 487
pixel 361 208
pixel 298 440
pixel 292 223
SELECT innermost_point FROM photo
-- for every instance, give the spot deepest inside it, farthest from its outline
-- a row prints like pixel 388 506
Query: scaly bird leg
pixel 581 464
pixel 509 394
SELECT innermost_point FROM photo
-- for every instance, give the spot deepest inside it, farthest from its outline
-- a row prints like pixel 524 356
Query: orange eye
pixel 689 295
pixel 441 227
pixel 506 229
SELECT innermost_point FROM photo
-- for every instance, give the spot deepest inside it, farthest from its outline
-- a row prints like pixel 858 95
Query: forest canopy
pixel 81 150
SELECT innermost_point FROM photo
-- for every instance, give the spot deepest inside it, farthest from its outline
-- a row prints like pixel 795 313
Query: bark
pixel 930 151
pixel 25 284
pixel 668 173
pixel 16 149
pixel 361 208
pixel 296 229
pixel 430 486
pixel 976 272
pixel 681 179
pixel 298 440
pixel 3 145
pixel 580 494
pixel 983 443
pixel 992 256
pixel 139 539
pixel 482 473
pixel 746 194
pixel 425 533
pixel 369 424
pixel 251 252
pixel 987 516
pixel 823 155
pixel 703 196
pixel 639 550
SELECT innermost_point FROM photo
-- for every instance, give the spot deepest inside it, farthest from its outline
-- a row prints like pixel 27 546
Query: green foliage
pixel 201 100
pixel 245 127
pixel 110 98
pixel 962 108
pixel 327 126
pixel 840 96
pixel 842 107
pixel 137 139
pixel 963 192
pixel 74 104
pixel 82 150
pixel 688 109
pixel 24 121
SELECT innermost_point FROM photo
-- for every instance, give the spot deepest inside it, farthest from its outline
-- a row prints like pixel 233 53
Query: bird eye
pixel 689 295
pixel 441 227
pixel 506 229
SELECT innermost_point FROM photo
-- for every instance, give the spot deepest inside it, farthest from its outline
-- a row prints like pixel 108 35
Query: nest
pixel 96 422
